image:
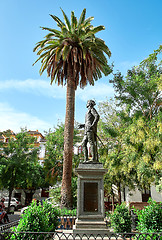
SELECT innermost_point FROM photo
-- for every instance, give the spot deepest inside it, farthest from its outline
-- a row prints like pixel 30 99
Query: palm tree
pixel 72 56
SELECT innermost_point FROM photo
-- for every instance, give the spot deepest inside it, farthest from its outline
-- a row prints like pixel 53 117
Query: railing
pixel 6 227
pixel 66 222
pixel 71 236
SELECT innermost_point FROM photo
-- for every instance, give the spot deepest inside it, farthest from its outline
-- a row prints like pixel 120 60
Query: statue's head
pixel 91 103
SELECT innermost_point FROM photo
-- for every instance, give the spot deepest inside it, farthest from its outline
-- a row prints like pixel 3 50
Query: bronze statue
pixel 90 133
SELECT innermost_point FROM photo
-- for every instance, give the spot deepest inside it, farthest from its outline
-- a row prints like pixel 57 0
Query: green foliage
pixel 18 156
pixel 121 219
pixel 37 218
pixel 19 165
pixel 74 44
pixel 112 128
pixel 150 218
pixel 55 193
pixel 54 154
pixel 68 212
pixel 143 147
pixel 139 91
pixel 132 136
pixel 53 162
pixel 159 185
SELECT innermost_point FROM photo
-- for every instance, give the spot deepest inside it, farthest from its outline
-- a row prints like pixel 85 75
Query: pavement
pixel 13 217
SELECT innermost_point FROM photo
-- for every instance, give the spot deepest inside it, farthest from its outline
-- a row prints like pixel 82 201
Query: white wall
pixel 133 196
pixel 155 195
pixel 136 196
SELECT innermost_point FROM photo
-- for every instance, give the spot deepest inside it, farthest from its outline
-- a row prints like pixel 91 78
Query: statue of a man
pixel 90 133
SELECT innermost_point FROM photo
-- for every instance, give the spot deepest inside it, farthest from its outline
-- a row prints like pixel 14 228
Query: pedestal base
pixel 90 202
pixel 90 227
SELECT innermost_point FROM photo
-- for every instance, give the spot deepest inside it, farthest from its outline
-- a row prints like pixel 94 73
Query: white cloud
pixel 41 87
pixel 14 120
pixel 11 118
pixel 98 92
pixel 37 87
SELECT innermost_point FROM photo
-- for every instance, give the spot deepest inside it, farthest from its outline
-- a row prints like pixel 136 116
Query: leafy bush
pixel 150 218
pixel 69 212
pixel 37 218
pixel 55 193
pixel 121 219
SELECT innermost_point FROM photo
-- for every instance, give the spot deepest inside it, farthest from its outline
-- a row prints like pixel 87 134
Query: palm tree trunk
pixel 66 193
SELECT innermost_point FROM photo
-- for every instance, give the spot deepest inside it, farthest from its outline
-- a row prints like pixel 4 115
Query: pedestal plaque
pixel 90 197
pixel 90 200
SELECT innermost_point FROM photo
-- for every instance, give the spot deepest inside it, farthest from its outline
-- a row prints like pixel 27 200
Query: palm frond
pixel 101 44
pixel 59 22
pixel 57 33
pixel 49 35
pixel 98 72
pixel 87 21
pixel 94 30
pixel 43 55
pixel 58 52
pixel 67 22
pixel 82 17
pixel 43 43
pixel 37 46
pixel 66 51
pixel 64 30
pixel 74 52
pixel 73 21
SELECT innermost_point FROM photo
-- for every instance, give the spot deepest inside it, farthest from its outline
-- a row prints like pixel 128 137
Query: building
pixel 40 142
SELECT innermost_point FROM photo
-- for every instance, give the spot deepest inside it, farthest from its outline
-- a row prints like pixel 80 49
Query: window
pixel 45 192
pixel 80 149
pixel 146 194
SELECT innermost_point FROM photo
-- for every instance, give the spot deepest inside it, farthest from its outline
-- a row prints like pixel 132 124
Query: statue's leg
pixel 85 149
pixel 92 145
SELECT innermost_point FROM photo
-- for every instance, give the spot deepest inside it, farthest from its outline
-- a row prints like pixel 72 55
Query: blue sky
pixel 133 31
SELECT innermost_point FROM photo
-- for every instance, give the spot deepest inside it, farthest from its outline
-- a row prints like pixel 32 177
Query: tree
pixel 143 148
pixel 53 161
pixel 112 127
pixel 131 127
pixel 73 56
pixel 35 179
pixel 16 156
pixel 140 94
pixel 140 91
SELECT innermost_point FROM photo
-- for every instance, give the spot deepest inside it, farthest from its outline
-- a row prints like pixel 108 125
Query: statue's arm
pixel 81 126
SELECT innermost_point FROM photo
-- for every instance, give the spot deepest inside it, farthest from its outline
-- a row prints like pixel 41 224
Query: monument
pixel 90 195
pixel 90 131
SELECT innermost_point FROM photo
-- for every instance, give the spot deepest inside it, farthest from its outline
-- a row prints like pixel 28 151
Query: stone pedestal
pixel 90 200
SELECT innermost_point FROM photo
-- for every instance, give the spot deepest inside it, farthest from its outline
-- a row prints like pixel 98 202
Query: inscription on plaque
pixel 90 197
